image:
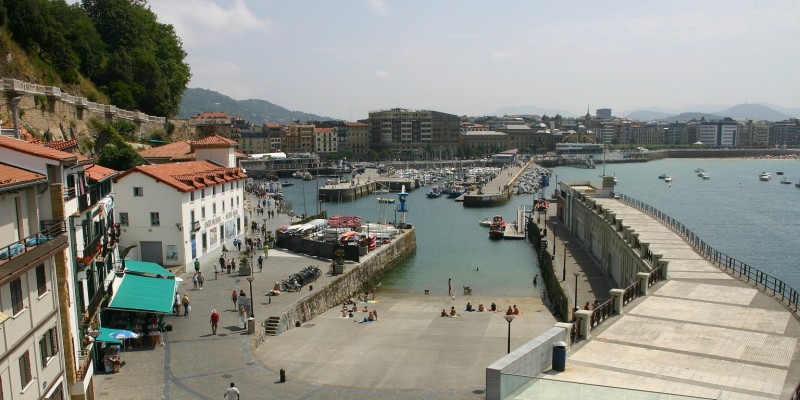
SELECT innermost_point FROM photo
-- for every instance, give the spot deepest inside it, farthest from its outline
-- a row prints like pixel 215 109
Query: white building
pixel 59 193
pixel 176 212
pixel 325 140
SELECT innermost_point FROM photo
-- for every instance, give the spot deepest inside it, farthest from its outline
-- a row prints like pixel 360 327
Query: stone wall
pixel 64 120
pixel 351 282
pixel 516 369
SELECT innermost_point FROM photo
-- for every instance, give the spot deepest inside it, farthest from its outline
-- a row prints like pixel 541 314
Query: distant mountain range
pixel 756 112
pixel 197 100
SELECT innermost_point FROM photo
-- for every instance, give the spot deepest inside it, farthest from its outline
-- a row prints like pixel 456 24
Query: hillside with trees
pixel 114 50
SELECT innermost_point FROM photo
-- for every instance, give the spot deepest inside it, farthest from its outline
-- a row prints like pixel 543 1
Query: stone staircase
pixel 271 327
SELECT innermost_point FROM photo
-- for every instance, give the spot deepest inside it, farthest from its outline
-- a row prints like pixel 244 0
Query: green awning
pixel 143 293
pixel 106 335
pixel 143 267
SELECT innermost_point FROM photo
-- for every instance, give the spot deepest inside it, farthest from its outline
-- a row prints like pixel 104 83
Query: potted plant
pixel 363 245
pixel 338 261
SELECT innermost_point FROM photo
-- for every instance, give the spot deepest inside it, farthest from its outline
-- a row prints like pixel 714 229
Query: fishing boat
pixel 484 222
pixel 497 228
pixel 764 176
pixel 434 193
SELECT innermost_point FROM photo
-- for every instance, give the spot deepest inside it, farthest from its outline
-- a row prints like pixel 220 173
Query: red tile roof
pixel 214 141
pixel 187 176
pixel 176 151
pixel 40 151
pixel 61 144
pixel 11 177
pixel 98 172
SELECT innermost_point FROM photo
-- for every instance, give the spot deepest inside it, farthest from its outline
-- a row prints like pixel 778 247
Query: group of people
pixel 593 306
pixel 512 310
pixel 181 301
pixel 349 312
pixel 197 280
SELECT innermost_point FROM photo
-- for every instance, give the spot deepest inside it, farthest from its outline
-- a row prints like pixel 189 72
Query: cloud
pixel 382 73
pixel 204 22
pixel 379 6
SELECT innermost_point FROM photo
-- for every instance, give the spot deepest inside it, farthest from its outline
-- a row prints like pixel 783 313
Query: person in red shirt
pixel 214 321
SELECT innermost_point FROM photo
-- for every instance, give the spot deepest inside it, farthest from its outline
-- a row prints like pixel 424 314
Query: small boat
pixel 662 176
pixel 434 193
pixel 705 175
pixel 764 176
pixel 779 173
pixel 497 228
pixel 700 172
pixel 484 222
pixel 385 200
pixel 667 178
pixel 381 191
pixel 786 181
pixel 287 184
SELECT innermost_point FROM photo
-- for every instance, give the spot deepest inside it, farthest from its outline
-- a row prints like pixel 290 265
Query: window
pixel 203 213
pixel 123 219
pixel 138 191
pixel 223 205
pixel 214 190
pixel 191 216
pixel 41 279
pixel 155 220
pixel 231 203
pixel 203 193
pixel 191 195
pixel 48 345
pixel 25 376
pixel 17 303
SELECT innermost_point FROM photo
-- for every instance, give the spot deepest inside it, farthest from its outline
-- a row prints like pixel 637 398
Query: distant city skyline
pixel 344 59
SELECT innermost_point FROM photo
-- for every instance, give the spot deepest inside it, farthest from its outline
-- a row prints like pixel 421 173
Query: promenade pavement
pixel 409 353
pixel 701 333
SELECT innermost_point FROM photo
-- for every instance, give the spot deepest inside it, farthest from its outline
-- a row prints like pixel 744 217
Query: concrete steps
pixel 271 328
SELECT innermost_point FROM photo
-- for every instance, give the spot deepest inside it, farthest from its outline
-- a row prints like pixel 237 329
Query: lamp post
pixel 554 239
pixel 250 279
pixel 509 318
pixel 575 308
pixel 564 273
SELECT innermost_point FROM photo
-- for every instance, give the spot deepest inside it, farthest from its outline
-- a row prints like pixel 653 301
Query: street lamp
pixel 554 239
pixel 564 273
pixel 575 308
pixel 509 318
pixel 250 279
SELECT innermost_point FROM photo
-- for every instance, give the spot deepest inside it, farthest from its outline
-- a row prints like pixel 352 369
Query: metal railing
pixel 84 360
pixel 786 293
pixel 49 230
pixel 603 312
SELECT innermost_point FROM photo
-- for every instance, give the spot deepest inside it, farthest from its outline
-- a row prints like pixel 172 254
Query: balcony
pixel 84 361
pixel 93 195
pixel 50 230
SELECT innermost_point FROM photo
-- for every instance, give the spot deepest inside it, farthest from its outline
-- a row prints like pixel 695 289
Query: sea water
pixel 755 222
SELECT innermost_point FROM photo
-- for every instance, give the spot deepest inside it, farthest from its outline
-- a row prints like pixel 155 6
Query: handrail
pixel 49 230
pixel 729 264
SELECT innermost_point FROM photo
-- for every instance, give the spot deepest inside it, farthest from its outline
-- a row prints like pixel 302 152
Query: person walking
pixel 231 392
pixel 222 261
pixel 200 280
pixel 235 298
pixel 194 280
pixel 186 306
pixel 260 263
pixel 214 321
pixel 449 286
pixel 233 264
pixel 196 265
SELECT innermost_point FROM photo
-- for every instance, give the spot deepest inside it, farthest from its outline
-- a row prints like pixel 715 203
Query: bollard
pixel 310 287
pixel 283 375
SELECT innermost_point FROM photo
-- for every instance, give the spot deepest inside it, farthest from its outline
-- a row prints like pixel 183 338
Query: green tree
pixel 119 158
pixel 27 22
pixel 78 29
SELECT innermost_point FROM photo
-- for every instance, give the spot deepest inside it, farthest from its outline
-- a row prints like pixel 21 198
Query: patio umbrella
pixel 124 335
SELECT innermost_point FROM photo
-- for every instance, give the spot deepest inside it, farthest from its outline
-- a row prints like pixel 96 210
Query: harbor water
pixel 756 222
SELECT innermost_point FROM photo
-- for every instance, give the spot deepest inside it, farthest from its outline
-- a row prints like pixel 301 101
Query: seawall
pixel 365 274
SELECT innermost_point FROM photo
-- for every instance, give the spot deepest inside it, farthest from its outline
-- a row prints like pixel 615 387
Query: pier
pixel 683 320
pixel 364 184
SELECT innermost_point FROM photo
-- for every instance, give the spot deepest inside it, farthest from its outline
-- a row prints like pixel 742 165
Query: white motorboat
pixel 667 179
pixel 485 222
pixel 764 176
pixel 786 181
pixel 705 175
pixel 386 200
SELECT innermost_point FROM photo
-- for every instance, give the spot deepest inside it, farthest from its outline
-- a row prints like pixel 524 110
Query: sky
pixel 343 59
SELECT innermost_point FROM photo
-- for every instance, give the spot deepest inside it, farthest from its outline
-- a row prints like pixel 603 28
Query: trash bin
pixel 559 356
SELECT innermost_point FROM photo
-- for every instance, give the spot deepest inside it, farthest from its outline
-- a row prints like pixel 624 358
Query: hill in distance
pixel 756 112
pixel 197 100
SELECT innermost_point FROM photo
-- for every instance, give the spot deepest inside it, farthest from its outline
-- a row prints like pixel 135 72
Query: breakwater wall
pixel 365 274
